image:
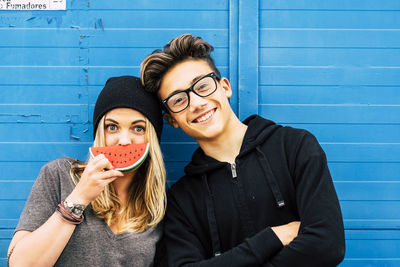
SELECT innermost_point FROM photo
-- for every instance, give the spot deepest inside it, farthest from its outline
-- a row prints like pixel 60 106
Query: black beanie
pixel 128 92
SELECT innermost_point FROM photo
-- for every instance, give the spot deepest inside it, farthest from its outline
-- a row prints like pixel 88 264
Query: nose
pixel 196 101
pixel 124 138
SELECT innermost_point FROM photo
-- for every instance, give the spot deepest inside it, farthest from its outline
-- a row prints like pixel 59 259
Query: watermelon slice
pixel 123 158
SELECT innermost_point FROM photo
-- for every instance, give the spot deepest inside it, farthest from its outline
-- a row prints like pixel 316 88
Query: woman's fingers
pixel 110 174
pixel 99 163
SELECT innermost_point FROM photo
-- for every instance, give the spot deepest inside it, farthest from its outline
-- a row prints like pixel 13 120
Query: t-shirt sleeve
pixel 43 198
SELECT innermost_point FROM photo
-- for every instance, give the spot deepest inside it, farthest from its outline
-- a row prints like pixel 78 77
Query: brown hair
pixel 179 49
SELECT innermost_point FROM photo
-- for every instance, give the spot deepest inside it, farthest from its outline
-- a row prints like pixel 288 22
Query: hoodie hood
pixel 258 131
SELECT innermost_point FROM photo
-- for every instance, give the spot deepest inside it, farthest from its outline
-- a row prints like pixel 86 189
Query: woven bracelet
pixel 64 214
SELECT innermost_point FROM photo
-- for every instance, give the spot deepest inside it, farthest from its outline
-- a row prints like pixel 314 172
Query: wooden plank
pixel 345 38
pixel 373 249
pixel 342 114
pixel 248 59
pixel 11 209
pixel 19 19
pixel 372 235
pixel 160 5
pixel 20 170
pixel 337 19
pixel 42 75
pixel 353 133
pixel 326 56
pixel 40 37
pixel 15 190
pixel 362 152
pixel 329 75
pixel 372 223
pixel 161 19
pixel 365 171
pixel 41 132
pixel 330 5
pixel 50 56
pixel 319 94
pixel 371 210
pixel 44 113
pixel 44 94
pixel 368 190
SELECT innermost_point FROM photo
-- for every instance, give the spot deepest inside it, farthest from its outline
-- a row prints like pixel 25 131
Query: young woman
pixel 88 214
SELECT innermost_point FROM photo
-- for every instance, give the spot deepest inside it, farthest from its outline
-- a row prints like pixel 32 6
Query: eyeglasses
pixel 180 100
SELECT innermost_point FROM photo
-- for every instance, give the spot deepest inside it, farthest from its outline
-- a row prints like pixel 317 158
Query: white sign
pixel 33 4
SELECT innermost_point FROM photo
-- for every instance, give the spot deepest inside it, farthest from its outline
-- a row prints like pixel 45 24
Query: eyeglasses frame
pixel 213 75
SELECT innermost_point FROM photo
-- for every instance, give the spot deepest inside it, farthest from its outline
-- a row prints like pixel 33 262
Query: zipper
pixel 233 169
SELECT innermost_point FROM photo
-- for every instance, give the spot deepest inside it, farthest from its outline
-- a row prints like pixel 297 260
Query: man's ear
pixel 171 121
pixel 225 84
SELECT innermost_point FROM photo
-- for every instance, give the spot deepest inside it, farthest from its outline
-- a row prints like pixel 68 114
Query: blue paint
pixel 248 59
pixel 331 67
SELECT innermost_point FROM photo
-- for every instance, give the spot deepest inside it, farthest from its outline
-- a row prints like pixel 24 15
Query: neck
pixel 226 146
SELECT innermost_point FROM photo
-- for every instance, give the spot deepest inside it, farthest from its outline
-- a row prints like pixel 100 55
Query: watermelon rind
pixel 133 166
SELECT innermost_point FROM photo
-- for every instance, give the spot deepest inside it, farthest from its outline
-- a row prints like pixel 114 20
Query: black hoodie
pixel 220 214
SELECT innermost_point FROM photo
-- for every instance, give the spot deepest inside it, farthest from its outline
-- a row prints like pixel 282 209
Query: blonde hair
pixel 147 197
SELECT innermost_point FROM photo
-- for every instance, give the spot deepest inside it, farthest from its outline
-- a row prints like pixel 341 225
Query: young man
pixel 250 183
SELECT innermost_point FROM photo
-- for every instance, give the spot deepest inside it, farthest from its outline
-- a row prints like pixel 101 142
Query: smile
pixel 204 117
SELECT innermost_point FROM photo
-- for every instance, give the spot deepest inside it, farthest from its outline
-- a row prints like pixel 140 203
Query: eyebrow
pixel 116 122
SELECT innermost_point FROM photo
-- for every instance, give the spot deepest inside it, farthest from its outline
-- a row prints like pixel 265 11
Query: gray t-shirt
pixel 92 243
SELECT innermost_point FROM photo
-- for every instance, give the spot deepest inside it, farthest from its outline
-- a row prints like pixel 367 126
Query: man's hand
pixel 287 232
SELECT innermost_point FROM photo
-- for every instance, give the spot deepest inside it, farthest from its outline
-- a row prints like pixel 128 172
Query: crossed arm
pixel 319 241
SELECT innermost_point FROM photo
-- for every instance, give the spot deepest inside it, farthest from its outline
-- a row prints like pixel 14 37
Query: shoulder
pixel 54 173
pixel 186 190
pixel 181 185
pixel 60 164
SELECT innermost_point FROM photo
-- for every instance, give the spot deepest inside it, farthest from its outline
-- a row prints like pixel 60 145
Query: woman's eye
pixel 139 129
pixel 111 127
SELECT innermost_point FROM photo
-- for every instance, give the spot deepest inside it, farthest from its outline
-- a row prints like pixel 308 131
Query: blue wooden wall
pixel 332 67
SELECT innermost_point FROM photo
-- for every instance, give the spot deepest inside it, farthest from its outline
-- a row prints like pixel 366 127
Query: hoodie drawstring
pixel 271 179
pixel 212 221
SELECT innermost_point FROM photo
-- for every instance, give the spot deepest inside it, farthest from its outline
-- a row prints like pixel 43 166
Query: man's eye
pixel 178 101
pixel 203 87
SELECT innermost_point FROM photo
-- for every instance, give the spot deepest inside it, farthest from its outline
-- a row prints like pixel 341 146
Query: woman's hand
pixel 97 174
pixel 287 232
